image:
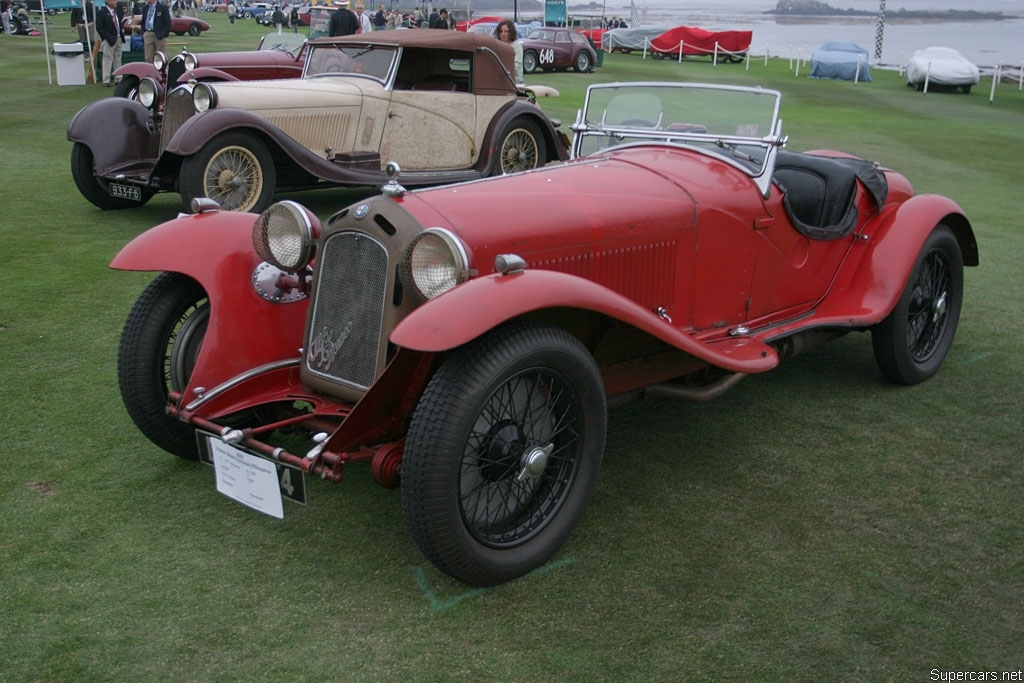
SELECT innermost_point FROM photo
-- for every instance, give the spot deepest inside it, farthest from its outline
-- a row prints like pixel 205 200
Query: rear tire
pixel 521 149
pixel 583 62
pixel 914 339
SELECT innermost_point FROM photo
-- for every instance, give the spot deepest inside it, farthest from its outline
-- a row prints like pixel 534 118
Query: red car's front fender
pixel 867 288
pixel 140 70
pixel 245 331
pixel 206 73
pixel 475 307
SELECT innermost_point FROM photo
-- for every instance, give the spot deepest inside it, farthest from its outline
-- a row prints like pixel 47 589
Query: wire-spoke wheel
pixel 522 148
pixel 503 452
pixel 914 339
pixel 234 169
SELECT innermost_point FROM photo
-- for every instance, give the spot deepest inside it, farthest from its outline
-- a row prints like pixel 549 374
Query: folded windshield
pixel 738 123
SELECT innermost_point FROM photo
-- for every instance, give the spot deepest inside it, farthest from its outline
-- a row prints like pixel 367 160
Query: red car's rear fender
pixel 868 287
pixel 245 331
pixel 475 307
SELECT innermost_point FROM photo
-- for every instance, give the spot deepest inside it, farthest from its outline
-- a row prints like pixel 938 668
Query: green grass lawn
pixel 816 523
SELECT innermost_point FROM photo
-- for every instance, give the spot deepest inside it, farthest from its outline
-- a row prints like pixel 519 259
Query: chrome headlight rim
pixel 285 236
pixel 159 61
pixel 204 98
pixel 436 262
pixel 149 92
pixel 191 62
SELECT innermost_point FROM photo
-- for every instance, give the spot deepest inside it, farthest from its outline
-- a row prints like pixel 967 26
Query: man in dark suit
pixel 111 33
pixel 156 26
pixel 343 22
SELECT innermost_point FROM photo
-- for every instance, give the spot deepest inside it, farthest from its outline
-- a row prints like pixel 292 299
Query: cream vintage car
pixel 443 106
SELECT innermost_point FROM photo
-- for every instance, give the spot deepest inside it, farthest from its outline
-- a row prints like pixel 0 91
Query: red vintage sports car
pixel 691 41
pixel 468 350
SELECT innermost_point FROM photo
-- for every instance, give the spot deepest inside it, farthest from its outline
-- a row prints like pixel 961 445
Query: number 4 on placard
pixel 286 481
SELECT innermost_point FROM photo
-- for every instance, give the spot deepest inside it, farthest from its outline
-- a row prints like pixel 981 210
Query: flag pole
pixel 46 42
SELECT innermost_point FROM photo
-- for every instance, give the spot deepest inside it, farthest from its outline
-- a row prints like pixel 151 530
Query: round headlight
pixel 203 98
pixel 436 262
pixel 159 61
pixel 190 60
pixel 285 236
pixel 149 93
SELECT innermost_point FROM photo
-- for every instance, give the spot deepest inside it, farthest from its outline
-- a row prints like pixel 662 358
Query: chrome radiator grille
pixel 177 110
pixel 345 332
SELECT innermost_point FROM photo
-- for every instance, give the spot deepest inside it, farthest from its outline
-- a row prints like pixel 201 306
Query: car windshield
pixel 351 60
pixel 284 42
pixel 740 124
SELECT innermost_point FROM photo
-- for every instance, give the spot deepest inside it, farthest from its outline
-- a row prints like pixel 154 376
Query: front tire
pixel 235 169
pixel 503 452
pixel 128 87
pixel 159 347
pixel 529 62
pixel 94 189
pixel 521 149
pixel 194 30
pixel 914 339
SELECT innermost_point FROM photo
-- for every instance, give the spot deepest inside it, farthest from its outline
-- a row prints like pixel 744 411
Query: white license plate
pixel 252 480
pixel 125 192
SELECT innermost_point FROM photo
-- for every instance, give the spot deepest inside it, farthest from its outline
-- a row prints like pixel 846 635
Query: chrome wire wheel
pixel 235 169
pixel 522 148
pixel 233 178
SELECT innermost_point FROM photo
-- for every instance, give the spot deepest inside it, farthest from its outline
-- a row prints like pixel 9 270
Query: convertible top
pixel 492 58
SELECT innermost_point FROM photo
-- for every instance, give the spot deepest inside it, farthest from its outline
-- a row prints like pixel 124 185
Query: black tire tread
pixel 429 502
pixel 142 392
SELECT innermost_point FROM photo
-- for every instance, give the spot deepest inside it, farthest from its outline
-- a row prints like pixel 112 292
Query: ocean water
pixel 986 43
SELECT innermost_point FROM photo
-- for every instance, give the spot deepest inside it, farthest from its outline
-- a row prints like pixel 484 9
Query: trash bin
pixel 600 58
pixel 70 67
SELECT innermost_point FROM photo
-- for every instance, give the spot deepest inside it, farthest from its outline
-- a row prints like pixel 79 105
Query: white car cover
pixel 942 66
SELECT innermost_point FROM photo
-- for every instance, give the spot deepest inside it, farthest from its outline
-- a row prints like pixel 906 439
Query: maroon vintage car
pixel 276 56
pixel 691 41
pixel 557 48
pixel 463 339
